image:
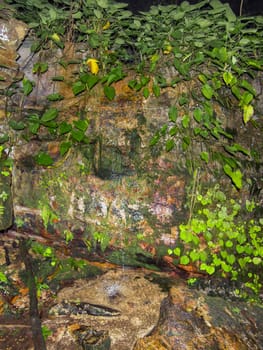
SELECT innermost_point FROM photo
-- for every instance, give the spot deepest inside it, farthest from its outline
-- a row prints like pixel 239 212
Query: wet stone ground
pixel 97 305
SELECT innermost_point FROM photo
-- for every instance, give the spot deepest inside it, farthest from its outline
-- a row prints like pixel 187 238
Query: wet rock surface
pixel 121 309
pixel 191 320
pixel 12 33
pixel 127 307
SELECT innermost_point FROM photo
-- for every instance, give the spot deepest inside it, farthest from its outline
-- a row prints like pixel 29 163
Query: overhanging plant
pixel 205 43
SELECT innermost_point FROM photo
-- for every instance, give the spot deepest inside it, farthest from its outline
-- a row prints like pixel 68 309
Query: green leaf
pixel 81 124
pixel 231 17
pixel 16 125
pixel 60 44
pixel 55 97
pixel 236 176
pixel 49 115
pixel 236 92
pixel 156 90
pixel 256 260
pixel 207 91
pixel 132 84
pixel 182 68
pixel 184 260
pixel 77 15
pixel 202 78
pixel 248 112
pixel 3 278
pixel 154 140
pixel 90 80
pixel 186 121
pixel 246 98
pixel 64 128
pixel 34 127
pixel 4 138
pixel 77 135
pixel 183 100
pixel 209 269
pixel 173 113
pixel 40 68
pixel 231 259
pixel 246 85
pixel 204 23
pixel 204 156
pixel 237 148
pixel 169 145
pixel 177 251
pixel 226 267
pixel 146 92
pixel 27 86
pixel 109 92
pixel 240 249
pixel 173 131
pixel 98 13
pixel 186 142
pixel 103 3
pixel 58 78
pixel 198 115
pixel 228 77
pixel 36 46
pixel 220 53
pixel 44 159
pixel 194 255
pixel 144 80
pixel 255 64
pixel 78 87
pixel 216 261
pixel 64 147
pixel 94 40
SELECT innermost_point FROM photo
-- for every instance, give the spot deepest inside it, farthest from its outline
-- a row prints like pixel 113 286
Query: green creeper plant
pixel 102 238
pixel 204 43
pixel 223 237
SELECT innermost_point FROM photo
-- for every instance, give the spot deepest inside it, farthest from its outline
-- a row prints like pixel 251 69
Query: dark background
pixel 250 7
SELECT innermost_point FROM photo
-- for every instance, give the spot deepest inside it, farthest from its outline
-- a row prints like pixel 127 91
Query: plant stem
pixel 38 339
pixel 241 7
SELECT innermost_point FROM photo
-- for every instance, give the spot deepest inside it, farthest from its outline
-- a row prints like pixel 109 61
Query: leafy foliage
pixel 203 43
pixel 223 237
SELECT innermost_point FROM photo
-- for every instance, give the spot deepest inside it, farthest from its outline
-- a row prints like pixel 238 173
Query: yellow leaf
pixel 107 26
pixel 248 112
pixel 55 37
pixel 155 58
pixel 93 65
pixel 74 327
pixel 167 49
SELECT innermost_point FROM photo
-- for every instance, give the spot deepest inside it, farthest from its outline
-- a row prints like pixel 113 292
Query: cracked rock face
pixel 136 299
pixel 191 320
pixel 12 33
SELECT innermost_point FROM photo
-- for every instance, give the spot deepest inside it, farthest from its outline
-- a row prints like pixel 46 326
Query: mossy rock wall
pixel 116 185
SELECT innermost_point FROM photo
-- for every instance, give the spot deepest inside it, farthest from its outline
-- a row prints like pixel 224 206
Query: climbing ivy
pixel 203 45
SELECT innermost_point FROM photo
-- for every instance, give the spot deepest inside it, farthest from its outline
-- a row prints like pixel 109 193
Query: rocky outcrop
pixel 113 184
pixel 12 33
pixel 191 320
